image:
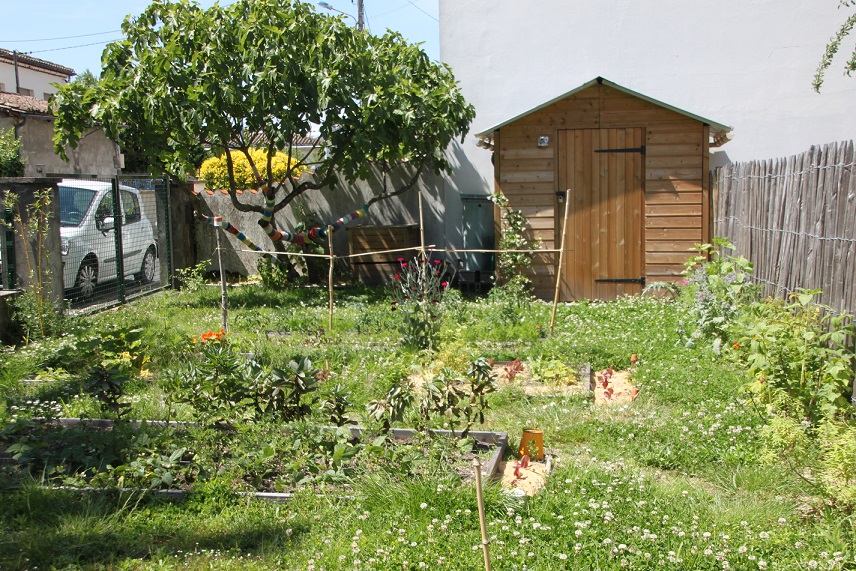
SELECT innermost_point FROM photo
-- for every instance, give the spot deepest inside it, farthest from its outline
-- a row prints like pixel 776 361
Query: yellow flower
pixel 215 172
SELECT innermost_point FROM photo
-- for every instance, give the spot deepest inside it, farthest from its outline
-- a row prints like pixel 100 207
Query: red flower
pixel 398 277
pixel 444 284
pixel 400 259
pixel 436 262
pixel 403 264
pixel 737 345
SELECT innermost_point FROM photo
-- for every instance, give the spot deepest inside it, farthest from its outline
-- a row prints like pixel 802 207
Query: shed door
pixel 605 240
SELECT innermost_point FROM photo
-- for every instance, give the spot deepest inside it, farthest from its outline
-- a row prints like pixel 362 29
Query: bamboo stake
pixel 431 247
pixel 561 261
pixel 330 274
pixel 421 228
pixel 482 523
pixel 218 222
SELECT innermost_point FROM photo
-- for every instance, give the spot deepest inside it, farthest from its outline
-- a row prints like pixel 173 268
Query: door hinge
pixel 624 150
pixel 640 281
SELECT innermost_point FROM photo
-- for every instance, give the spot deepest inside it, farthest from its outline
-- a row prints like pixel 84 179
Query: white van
pixel 88 241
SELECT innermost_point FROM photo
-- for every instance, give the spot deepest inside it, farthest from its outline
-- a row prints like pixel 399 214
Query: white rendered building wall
pixel 745 63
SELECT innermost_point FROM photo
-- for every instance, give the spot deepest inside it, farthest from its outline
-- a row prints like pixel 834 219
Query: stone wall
pixel 316 208
pixel 93 155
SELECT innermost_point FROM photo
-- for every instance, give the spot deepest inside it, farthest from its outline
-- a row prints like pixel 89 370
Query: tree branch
pixel 410 184
pixel 233 191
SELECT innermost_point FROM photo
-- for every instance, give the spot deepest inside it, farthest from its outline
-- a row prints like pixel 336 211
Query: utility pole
pixel 15 61
pixel 360 20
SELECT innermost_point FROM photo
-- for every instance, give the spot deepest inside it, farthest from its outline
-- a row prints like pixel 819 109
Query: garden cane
pixel 218 222
pixel 561 260
pixel 480 498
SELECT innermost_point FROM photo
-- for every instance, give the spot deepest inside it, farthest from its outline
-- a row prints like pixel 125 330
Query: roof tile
pixel 23 104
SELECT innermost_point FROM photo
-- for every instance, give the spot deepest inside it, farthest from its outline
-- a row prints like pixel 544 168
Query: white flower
pixel 562 556
pixel 423 505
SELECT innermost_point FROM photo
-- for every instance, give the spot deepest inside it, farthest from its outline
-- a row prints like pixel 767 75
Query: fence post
pixel 167 217
pixel 9 280
pixel 117 240
pixel 330 274
pixel 421 229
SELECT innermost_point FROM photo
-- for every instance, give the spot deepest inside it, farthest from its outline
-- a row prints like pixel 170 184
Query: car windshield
pixel 74 203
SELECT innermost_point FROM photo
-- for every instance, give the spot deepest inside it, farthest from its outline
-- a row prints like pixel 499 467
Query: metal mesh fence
pixel 7 249
pixel 100 217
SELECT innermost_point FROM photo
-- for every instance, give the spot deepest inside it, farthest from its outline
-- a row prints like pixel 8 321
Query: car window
pixel 105 207
pixel 131 207
pixel 74 204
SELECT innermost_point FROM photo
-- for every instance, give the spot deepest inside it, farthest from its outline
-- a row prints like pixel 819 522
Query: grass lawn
pixel 676 479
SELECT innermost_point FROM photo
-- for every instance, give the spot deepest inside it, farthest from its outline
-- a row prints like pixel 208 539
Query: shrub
pixel 192 279
pixel 273 273
pixel 35 315
pixel 223 385
pixel 837 470
pixel 513 299
pixel 11 163
pixel 511 264
pixel 215 172
pixel 798 359
pixel 417 292
pixel 716 287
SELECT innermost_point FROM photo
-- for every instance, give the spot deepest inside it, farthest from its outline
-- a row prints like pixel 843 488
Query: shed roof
pixel 717 130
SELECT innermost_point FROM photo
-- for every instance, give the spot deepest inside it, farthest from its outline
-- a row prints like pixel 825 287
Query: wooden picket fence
pixel 795 219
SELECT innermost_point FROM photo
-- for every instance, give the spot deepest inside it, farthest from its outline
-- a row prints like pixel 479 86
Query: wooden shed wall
pixel 677 196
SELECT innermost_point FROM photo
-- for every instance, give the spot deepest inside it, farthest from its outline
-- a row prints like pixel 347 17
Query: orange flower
pixel 212 336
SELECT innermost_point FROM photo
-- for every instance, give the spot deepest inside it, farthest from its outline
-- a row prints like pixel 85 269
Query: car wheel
pixel 87 279
pixel 147 269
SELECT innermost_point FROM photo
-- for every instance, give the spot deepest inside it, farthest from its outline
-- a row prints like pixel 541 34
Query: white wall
pixel 744 63
pixel 38 81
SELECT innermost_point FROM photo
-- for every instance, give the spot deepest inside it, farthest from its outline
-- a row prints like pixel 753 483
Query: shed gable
pixel 531 167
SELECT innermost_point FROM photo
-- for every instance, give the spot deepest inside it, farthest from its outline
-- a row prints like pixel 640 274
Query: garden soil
pixel 623 391
pixel 534 476
pixel 532 388
pixel 531 478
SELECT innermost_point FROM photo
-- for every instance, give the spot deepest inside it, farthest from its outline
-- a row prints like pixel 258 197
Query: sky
pixel 73 34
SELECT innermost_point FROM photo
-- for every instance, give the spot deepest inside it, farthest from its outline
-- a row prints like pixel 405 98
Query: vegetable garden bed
pixel 42 446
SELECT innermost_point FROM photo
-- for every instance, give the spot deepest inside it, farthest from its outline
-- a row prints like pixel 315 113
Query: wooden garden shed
pixel 635 172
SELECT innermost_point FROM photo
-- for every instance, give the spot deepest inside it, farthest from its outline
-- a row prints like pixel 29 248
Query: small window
pixel 25 91
pixel 47 96
pixel 2 87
